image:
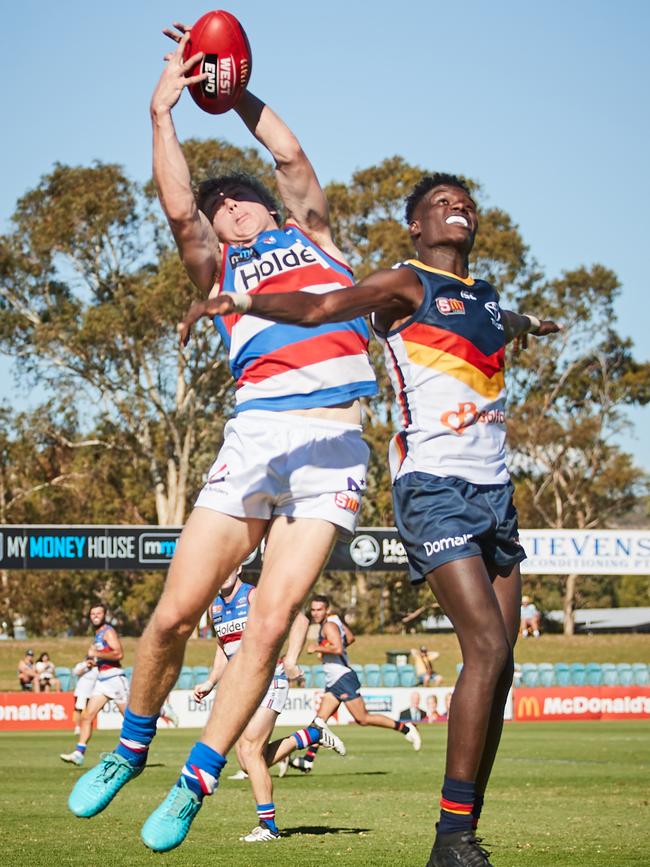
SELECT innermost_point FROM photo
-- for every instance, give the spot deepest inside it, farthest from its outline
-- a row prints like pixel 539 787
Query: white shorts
pixel 282 464
pixel 276 695
pixel 115 688
pixel 84 689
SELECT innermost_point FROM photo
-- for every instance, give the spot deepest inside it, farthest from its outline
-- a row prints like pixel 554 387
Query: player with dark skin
pixel 481 599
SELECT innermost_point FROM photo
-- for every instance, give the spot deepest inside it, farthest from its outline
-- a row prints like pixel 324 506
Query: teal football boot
pixel 96 789
pixel 169 824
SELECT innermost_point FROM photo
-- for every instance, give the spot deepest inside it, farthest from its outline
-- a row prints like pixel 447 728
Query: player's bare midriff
pixel 349 413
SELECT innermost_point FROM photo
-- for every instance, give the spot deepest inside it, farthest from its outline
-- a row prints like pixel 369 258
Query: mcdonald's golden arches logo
pixel 528 707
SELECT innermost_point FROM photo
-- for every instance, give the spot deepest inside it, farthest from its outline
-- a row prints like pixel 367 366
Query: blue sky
pixel 545 104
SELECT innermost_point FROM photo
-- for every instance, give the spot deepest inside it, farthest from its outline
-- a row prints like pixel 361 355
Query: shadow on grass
pixel 316 830
pixel 338 774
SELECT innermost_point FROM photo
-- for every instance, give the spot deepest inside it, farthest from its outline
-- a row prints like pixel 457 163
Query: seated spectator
pixel 530 618
pixel 413 713
pixel 47 674
pixel 423 660
pixel 27 674
pixel 432 709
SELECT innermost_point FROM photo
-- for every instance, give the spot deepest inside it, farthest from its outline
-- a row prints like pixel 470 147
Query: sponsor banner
pixel 26 711
pixel 302 706
pixel 376 549
pixel 581 703
pixel 587 552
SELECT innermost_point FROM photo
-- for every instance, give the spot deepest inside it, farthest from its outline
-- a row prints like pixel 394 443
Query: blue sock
pixel 201 770
pixel 456 806
pixel 266 814
pixel 80 748
pixel 306 737
pixel 135 737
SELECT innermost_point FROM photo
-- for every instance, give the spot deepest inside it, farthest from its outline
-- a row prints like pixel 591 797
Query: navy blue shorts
pixel 346 687
pixel 444 519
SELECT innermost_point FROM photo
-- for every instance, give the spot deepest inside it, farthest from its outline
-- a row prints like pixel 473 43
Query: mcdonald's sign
pixel 527 707
pixel 582 703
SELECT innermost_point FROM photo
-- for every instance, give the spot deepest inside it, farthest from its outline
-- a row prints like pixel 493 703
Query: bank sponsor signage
pixel 26 711
pixel 374 549
pixel 71 547
pixel 301 707
pixel 581 703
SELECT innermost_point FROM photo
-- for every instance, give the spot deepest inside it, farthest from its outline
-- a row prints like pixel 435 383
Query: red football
pixel 227 60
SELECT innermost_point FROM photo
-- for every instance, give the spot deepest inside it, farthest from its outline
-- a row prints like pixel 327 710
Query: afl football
pixel 226 60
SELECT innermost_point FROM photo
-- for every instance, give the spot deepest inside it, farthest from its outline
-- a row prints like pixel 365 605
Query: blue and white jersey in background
pixel 106 668
pixel 335 665
pixel 229 619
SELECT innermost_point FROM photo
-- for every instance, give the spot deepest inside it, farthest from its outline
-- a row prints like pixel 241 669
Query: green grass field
pixel 367 648
pixel 561 794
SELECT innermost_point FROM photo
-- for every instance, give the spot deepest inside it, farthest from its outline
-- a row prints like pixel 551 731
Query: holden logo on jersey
pixel 231 627
pixel 450 306
pixel 365 550
pixel 274 262
pixel 468 414
pixel 494 310
pixel 467 295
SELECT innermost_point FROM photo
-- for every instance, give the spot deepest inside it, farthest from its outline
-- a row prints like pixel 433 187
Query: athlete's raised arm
pixel 299 187
pixel 195 238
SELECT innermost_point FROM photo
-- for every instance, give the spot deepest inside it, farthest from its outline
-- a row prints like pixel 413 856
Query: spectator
pixel 47 674
pixel 413 713
pixel 530 618
pixel 432 709
pixel 423 661
pixel 27 674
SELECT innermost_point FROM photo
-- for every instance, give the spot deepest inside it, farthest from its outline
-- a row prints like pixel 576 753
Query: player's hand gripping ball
pixel 226 60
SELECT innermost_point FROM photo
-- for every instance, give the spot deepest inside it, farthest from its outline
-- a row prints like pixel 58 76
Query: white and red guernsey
pixel 278 366
pixel 229 620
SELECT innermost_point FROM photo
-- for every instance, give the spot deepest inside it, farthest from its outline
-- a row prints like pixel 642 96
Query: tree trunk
pixel 569 604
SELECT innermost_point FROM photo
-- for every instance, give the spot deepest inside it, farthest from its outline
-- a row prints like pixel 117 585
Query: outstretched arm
pixel 518 326
pixel 393 295
pixel 195 238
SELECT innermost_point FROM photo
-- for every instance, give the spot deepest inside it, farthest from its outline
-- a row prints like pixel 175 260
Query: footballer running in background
pixel 342 684
pixel 105 656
